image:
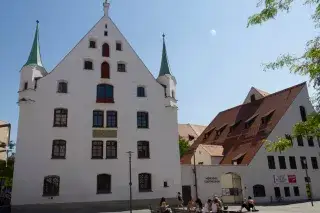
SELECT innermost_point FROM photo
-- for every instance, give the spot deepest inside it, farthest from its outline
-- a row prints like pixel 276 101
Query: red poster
pixel 292 179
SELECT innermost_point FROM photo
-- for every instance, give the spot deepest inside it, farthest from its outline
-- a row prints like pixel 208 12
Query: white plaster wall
pixel 202 156
pixel 4 133
pixel 78 172
pixel 261 174
pixel 216 160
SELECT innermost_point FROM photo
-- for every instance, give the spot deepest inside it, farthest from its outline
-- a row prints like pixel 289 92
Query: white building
pixel 232 160
pixel 77 123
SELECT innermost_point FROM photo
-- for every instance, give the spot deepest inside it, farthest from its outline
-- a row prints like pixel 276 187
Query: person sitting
pixel 251 204
pixel 207 207
pixel 244 205
pixel 214 206
pixel 164 207
pixel 199 205
pixel 191 206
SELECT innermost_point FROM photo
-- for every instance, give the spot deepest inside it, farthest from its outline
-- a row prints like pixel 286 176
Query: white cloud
pixel 213 32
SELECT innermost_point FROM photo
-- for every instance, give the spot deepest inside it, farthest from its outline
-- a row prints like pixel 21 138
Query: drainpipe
pixel 195 173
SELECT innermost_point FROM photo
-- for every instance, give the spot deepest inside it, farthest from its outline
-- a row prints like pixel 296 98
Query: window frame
pixel 142 120
pixel 106 33
pixel 114 147
pixel 97 114
pixel 310 141
pixel 62 89
pixel 141 92
pixel 53 189
pixel 271 162
pixel 287 192
pixel 64 112
pixel 314 163
pixel 105 71
pixel 119 43
pixel 145 184
pixel 107 182
pixel 94 46
pixel 282 162
pixel 25 85
pixel 96 147
pixel 292 162
pixel 123 65
pixel 59 143
pixel 303 113
pixel 253 98
pixel 143 149
pixel 105 52
pixel 303 165
pixel 103 98
pixel 277 189
pixel 112 119
pixel 86 63
pixel 257 193
pixel 296 191
pixel 300 140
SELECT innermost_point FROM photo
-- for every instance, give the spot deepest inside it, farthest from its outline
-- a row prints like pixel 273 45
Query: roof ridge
pixel 193 129
pixel 268 96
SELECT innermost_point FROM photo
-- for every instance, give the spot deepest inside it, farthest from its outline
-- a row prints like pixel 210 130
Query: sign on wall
pixel 284 179
pixel 211 180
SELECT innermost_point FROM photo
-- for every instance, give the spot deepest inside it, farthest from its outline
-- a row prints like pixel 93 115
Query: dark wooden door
pixel 186 194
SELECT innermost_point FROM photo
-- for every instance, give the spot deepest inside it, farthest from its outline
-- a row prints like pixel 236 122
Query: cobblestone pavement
pixel 294 208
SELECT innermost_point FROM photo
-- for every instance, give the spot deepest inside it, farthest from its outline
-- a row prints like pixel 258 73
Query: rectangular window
pixel 277 192
pixel 282 162
pixel 296 191
pixel 88 65
pixel 271 162
pixel 36 82
pixel 97 150
pixel 111 149
pixel 121 67
pixel 92 44
pixel 143 149
pixel 287 191
pixel 25 86
pixel 293 164
pixel 142 120
pixel 105 33
pixel 51 185
pixel 310 141
pixel 118 46
pixel 58 149
pixel 304 164
pixel 60 117
pixel 97 118
pixel 112 120
pixel 314 162
pixel 300 140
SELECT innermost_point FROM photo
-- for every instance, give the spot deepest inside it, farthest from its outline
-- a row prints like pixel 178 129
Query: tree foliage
pixel 183 146
pixel 306 64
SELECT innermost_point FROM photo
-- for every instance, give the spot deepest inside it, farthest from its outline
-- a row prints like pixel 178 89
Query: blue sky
pixel 214 72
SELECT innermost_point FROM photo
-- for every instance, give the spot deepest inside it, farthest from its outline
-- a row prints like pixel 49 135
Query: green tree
pixel 183 146
pixel 306 64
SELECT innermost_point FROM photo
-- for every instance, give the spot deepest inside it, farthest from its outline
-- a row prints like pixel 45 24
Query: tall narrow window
pixel 141 92
pixel 36 82
pixel 118 46
pixel 144 182
pixel 287 191
pixel 303 113
pixel 60 118
pixel 314 162
pixel 62 87
pixel 300 140
pixel 97 118
pixel 51 185
pixel 111 149
pixel 282 162
pixel 121 67
pixel 296 191
pixel 304 164
pixel 112 119
pixel 88 65
pixel 59 149
pixel 105 70
pixel 271 162
pixel 103 184
pixel 143 149
pixel 277 192
pixel 252 97
pixel 310 141
pixel 292 161
pixel 105 50
pixel 97 150
pixel 104 93
pixel 142 120
pixel 25 85
pixel 173 94
pixel 259 191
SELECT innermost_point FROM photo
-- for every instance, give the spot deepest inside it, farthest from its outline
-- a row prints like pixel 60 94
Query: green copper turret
pixel 164 69
pixel 35 56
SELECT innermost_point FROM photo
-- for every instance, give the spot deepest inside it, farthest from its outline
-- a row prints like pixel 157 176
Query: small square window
pixel 118 46
pixel 88 65
pixel 92 44
pixel 106 26
pixel 121 67
pixel 165 184
pixel 105 33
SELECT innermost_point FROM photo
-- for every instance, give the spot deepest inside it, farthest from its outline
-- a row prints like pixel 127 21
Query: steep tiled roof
pixel 263 93
pixel 213 150
pixel 244 133
pixel 190 129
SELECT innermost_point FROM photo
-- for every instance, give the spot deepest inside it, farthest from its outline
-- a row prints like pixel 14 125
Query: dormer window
pixel 234 126
pixel 250 121
pixel 252 98
pixel 220 130
pixel 266 118
pixel 208 133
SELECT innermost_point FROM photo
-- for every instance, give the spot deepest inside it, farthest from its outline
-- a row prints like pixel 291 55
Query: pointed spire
pixel 164 69
pixel 35 56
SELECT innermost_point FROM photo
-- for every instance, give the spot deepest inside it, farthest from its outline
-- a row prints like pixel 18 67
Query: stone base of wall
pixel 92 207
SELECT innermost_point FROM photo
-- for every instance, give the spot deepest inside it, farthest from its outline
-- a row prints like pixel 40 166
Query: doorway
pixel 231 188
pixel 186 194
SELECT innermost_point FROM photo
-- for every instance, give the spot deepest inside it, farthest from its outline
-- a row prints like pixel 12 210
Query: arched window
pixel 59 149
pixel 252 97
pixel 62 87
pixel 143 149
pixel 104 93
pixel 145 182
pixel 51 185
pixel 141 92
pixel 105 50
pixel 303 113
pixel 259 191
pixel 103 183
pixel 60 117
pixel 105 70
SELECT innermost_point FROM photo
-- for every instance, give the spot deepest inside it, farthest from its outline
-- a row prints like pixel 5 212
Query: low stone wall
pixel 92 207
